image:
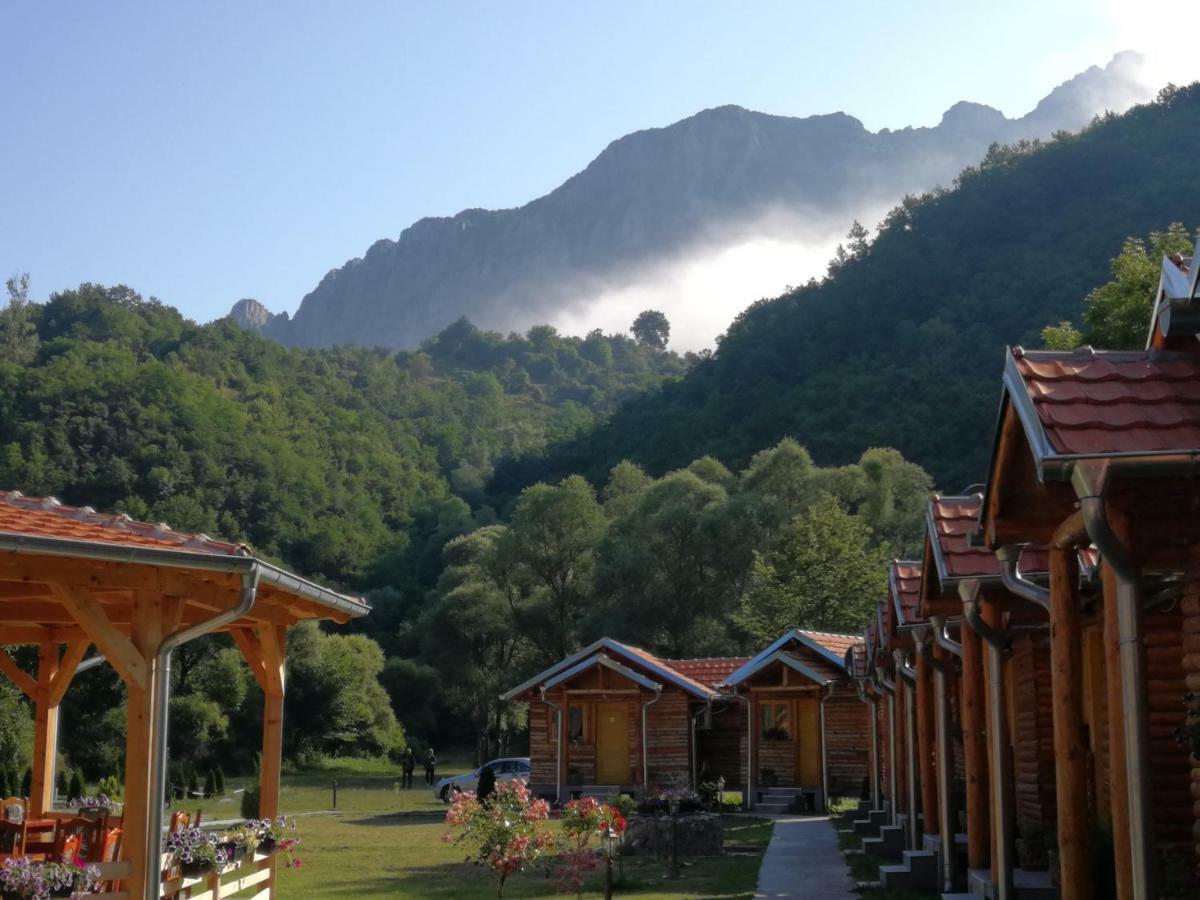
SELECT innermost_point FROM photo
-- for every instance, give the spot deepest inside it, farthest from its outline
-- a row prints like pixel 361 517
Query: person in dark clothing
pixel 487 783
pixel 408 763
pixel 430 765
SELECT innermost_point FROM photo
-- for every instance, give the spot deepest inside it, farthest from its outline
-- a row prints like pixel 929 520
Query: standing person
pixel 430 764
pixel 409 762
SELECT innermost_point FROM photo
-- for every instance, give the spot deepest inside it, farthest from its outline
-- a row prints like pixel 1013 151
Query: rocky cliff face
pixel 251 314
pixel 655 193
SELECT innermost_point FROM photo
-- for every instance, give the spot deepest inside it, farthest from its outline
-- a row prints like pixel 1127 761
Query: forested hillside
pixel 902 345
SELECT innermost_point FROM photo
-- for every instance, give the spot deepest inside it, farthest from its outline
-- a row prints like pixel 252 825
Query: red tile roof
pixel 47 517
pixel 708 671
pixel 951 521
pixel 835 643
pixel 1112 402
pixel 905 579
pixel 859 661
pixel 649 657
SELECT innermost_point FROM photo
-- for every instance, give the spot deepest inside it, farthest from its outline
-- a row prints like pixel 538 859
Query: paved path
pixel 803 862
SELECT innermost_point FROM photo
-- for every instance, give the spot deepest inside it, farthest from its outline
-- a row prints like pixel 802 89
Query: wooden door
pixel 612 743
pixel 808 741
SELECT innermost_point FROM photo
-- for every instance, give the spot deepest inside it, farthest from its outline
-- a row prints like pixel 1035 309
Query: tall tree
pixel 824 573
pixel 551 538
pixel 18 326
pixel 651 329
pixel 1116 315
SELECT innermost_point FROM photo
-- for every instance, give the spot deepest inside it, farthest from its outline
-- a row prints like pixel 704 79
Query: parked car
pixel 505 769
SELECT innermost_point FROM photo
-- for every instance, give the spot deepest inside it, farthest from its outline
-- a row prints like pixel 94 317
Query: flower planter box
pixel 196 868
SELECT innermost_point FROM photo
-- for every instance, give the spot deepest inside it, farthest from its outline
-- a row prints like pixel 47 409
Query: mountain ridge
pixel 653 193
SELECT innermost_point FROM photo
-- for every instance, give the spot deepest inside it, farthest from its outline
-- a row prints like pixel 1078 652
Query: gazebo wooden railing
pixel 71 578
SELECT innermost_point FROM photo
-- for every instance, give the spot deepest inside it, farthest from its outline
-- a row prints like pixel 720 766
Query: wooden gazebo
pixel 72 578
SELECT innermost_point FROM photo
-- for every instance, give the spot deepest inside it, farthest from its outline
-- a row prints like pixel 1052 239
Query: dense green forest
pixel 448 484
pixel 902 346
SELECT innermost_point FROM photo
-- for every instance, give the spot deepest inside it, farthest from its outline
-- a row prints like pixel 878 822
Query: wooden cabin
pixel 72 579
pixel 1102 447
pixel 614 718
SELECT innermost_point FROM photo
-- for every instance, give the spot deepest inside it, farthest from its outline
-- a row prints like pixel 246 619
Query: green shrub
pixel 75 786
pixel 250 802
pixel 210 784
pixel 62 785
pixel 193 785
pixel 27 783
pixel 220 777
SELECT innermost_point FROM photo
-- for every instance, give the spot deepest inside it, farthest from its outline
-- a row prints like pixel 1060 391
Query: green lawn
pixel 383 842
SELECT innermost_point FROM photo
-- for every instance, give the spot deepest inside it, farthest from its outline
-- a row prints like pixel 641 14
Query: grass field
pixel 384 842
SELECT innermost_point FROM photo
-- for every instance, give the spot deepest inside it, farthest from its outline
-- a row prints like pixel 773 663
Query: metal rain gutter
pixel 37 545
pixel 160 722
pixel 824 759
pixel 1090 483
pixel 942 637
pixel 910 755
pixel 941 723
pixel 889 687
pixel 997 642
pixel 558 716
pixel 1010 575
pixel 873 749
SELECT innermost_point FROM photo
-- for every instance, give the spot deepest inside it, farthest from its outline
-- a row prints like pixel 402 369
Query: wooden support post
pixel 1070 749
pixel 139 741
pixel 897 729
pixel 45 732
pixel 926 742
pixel 975 750
pixel 1118 775
pixel 273 641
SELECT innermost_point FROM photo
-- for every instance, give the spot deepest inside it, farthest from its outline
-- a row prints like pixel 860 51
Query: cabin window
pixel 775 721
pixel 575 724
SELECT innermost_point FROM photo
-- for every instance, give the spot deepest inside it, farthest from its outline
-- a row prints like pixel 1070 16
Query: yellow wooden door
pixel 612 743
pixel 808 741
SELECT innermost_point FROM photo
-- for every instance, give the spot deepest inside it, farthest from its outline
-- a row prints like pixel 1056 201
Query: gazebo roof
pixel 45 544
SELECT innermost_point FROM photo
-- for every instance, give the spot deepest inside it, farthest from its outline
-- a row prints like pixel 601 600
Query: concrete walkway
pixel 803 862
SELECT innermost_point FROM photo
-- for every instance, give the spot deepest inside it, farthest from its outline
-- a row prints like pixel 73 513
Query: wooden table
pixel 39 836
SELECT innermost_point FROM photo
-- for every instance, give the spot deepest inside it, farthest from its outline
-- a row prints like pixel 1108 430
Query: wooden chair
pixel 12 839
pixel 179 821
pixel 108 849
pixel 66 846
pixel 86 831
pixel 14 809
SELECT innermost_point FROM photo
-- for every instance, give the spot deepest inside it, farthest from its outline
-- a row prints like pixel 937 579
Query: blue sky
pixel 204 152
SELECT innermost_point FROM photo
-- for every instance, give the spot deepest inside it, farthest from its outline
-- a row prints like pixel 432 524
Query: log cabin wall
pixel 1171 771
pixel 669 746
pixel 847 742
pixel 1190 610
pixel 542 757
pixel 721 751
pixel 1031 724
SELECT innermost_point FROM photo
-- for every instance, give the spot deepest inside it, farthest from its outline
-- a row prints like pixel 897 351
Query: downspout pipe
pixel 748 799
pixel 942 738
pixel 645 753
pixel 889 687
pixel 160 722
pixel 558 743
pixel 873 749
pixel 707 708
pixel 910 735
pixel 1010 575
pixel 1090 483
pixel 1002 808
pixel 942 637
pixel 824 756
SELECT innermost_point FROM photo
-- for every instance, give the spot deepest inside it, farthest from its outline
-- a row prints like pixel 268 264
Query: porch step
pixel 888 845
pixel 960 897
pixel 869 827
pixel 1026 885
pixel 918 871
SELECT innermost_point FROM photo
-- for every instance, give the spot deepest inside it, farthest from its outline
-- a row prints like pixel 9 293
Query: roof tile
pixel 1114 402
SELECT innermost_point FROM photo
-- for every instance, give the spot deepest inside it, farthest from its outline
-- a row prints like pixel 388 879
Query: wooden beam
pixel 18 676
pixel 925 743
pixel 273 641
pixel 23 633
pixel 247 642
pixel 1070 748
pixel 120 651
pixel 975 749
pixel 139 740
pixel 1118 776
pixel 45 732
pixel 66 670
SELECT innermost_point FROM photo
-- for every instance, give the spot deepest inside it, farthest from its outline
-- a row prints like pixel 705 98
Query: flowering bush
pixel 506 832
pixel 278 834
pixel 39 881
pixel 583 820
pixel 571 868
pixel 98 801
pixel 195 845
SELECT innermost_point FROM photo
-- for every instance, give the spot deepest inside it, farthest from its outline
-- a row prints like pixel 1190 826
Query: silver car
pixel 506 770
